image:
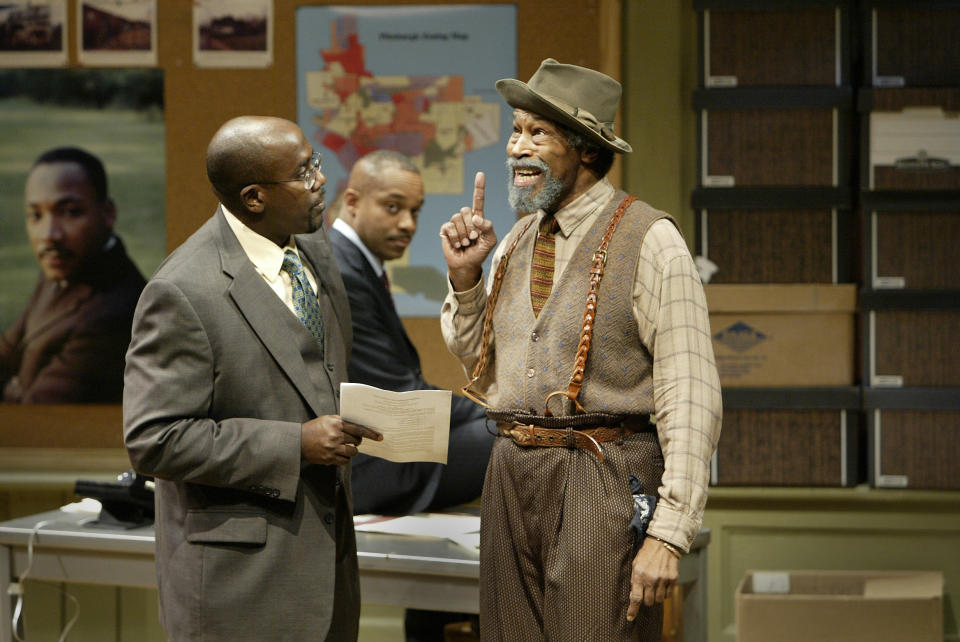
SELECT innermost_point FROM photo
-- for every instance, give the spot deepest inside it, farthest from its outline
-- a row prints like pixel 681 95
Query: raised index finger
pixel 478 185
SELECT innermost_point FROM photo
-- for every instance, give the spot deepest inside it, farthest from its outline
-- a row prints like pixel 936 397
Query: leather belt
pixel 587 439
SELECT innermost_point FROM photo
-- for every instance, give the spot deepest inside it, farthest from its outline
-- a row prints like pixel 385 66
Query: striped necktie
pixel 541 270
pixel 304 298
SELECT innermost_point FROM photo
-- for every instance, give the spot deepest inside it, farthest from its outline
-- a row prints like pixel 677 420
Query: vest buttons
pixel 534 336
pixel 531 372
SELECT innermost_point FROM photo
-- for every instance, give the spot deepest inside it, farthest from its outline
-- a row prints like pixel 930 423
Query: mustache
pixel 54 250
pixel 527 163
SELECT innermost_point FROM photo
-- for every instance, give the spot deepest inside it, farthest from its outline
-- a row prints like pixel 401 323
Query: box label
pixel 721 81
pixel 740 338
pixel 771 582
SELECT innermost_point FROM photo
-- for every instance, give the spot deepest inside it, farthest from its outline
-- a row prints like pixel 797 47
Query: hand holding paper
pixel 415 425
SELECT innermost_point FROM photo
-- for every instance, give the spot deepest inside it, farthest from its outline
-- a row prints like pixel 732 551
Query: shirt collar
pixel 571 215
pixel 265 255
pixel 344 228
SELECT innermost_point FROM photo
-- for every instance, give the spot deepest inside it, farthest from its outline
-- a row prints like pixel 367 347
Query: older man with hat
pixel 590 346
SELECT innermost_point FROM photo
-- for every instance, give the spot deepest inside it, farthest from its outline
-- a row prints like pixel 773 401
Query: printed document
pixel 415 425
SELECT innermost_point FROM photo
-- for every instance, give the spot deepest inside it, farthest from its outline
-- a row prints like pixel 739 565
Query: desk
pixel 395 570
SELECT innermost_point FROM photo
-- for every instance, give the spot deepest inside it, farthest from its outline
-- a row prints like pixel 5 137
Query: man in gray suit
pixel 239 344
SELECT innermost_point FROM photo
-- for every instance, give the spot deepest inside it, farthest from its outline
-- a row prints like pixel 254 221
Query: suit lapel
pixel 359 264
pixel 261 307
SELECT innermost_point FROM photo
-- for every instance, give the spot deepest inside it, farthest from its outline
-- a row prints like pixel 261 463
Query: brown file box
pixel 914 250
pixel 769 147
pixel 771 447
pixel 915 46
pixel 914 448
pixel 795 46
pixel 914 348
pixel 770 246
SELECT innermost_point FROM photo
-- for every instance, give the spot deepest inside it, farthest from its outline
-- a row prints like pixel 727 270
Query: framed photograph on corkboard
pixel 33 34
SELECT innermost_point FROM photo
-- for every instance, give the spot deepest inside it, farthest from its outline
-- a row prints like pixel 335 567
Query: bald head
pixel 374 164
pixel 246 150
pixel 263 171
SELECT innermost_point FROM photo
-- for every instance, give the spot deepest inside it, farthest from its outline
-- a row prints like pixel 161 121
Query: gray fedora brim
pixel 519 95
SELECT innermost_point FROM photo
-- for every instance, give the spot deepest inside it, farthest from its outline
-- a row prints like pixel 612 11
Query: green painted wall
pixel 659 75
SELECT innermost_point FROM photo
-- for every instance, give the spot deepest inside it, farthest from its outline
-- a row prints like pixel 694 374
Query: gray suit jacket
pixel 252 543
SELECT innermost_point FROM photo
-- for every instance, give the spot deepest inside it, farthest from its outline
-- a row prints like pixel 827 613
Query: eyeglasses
pixel 309 177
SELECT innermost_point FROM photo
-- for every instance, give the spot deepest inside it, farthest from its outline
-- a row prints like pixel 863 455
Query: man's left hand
pixel 654 574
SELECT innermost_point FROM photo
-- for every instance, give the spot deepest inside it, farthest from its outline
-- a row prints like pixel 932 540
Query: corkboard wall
pixel 198 101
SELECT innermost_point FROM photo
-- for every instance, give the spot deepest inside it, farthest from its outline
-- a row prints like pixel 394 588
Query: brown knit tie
pixel 541 270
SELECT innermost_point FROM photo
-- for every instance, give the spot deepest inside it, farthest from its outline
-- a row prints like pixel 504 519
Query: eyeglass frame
pixel 309 178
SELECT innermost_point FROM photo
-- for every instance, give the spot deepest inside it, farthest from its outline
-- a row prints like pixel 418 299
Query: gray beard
pixel 525 199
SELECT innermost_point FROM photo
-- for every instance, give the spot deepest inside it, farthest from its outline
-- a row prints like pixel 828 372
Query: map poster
pixel 418 80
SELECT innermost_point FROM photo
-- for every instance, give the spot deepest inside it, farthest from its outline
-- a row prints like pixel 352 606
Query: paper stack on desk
pixel 458 528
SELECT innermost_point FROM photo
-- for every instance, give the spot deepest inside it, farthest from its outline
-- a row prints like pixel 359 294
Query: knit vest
pixel 535 355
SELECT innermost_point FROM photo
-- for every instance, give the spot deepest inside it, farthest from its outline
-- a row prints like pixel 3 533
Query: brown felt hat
pixel 578 98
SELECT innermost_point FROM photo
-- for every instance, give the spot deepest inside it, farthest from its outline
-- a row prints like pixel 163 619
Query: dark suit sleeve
pixel 168 393
pixel 380 358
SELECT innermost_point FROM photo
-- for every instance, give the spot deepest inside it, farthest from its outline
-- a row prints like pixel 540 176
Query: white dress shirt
pixel 267 258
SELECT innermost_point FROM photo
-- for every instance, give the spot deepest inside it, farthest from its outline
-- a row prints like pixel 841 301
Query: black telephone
pixel 125 503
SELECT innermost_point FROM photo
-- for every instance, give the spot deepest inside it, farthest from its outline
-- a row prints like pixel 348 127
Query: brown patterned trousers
pixel 555 548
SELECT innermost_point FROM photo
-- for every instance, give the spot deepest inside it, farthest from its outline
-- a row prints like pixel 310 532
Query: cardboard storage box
pixel 783 335
pixel 847 606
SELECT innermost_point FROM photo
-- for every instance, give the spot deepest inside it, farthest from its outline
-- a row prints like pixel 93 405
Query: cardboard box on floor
pixel 783 335
pixel 847 606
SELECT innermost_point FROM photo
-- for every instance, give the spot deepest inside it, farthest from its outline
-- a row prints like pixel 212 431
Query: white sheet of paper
pixel 415 425
pixel 451 526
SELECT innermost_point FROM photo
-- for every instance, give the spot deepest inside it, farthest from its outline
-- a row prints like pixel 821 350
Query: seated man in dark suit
pixel 378 219
pixel 68 346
